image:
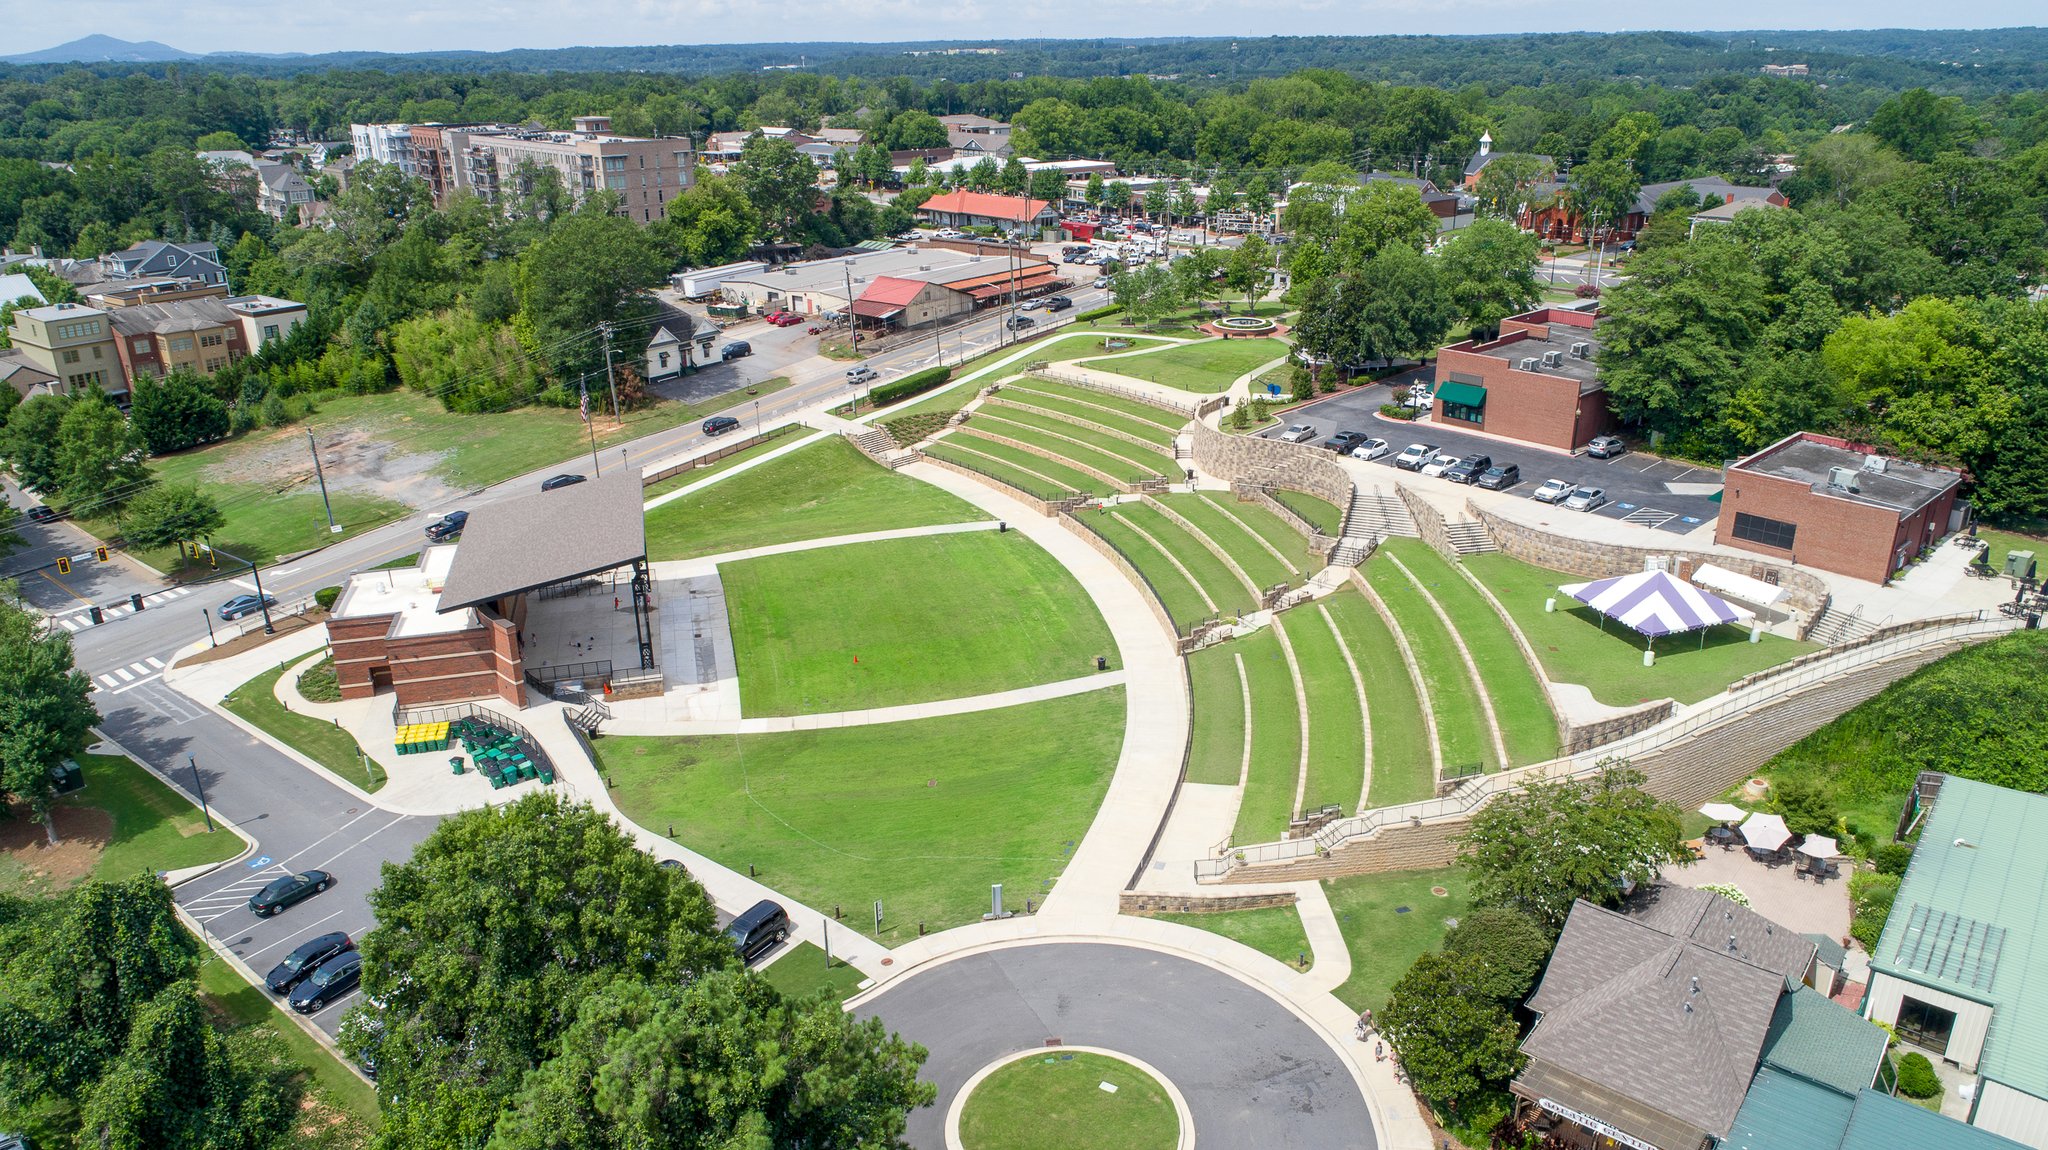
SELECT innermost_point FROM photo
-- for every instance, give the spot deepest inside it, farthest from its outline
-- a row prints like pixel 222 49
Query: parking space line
pixel 330 834
pixel 348 998
pixel 359 842
pixel 305 931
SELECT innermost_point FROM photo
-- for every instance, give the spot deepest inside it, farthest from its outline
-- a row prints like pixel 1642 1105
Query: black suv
pixel 719 424
pixel 1499 478
pixel 762 926
pixel 1466 470
pixel 449 526
pixel 1020 322
pixel 560 481
pixel 300 963
pixel 328 982
pixel 1344 441
pixel 735 350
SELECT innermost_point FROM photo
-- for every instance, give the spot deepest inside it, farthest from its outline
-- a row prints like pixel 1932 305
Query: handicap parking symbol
pixel 1689 519
pixel 259 862
pixel 1626 506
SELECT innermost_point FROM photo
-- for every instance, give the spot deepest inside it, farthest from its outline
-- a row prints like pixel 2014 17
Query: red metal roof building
pixel 961 209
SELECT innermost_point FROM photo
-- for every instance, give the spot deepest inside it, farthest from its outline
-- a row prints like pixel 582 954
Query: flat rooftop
pixel 1811 459
pixel 1518 346
pixel 411 593
pixel 924 264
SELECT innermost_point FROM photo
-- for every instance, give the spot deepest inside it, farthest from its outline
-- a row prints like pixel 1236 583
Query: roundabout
pixel 1081 1098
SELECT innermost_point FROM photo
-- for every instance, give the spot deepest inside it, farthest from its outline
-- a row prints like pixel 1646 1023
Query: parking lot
pixel 1659 494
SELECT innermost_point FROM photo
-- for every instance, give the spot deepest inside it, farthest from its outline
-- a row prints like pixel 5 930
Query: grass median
pixel 318 739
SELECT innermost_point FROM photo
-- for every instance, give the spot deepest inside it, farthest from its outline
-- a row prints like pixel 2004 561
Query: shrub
pixel 911 429
pixel 1586 291
pixel 1893 858
pixel 1917 1078
pixel 1727 890
pixel 1396 411
pixel 1806 804
pixel 1240 417
pixel 318 684
pixel 1870 904
pixel 326 597
pixel 1098 312
pixel 909 385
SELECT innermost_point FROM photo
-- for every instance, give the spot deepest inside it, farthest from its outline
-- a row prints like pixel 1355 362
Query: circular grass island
pixel 1056 1098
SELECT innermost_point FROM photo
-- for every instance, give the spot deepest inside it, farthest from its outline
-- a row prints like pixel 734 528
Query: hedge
pixel 1098 312
pixel 1917 1078
pixel 909 385
pixel 326 596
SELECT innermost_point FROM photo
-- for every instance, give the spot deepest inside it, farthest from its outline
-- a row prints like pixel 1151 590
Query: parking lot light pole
pixel 199 785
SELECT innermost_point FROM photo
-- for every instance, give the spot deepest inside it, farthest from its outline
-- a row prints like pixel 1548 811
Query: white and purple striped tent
pixel 1655 603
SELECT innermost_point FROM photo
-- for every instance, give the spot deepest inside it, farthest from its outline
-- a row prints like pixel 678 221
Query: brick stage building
pixel 1536 382
pixel 1824 502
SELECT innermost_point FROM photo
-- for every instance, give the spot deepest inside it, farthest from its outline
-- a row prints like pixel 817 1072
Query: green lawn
pixel 1336 721
pixel 1182 599
pixel 2004 541
pixel 981 455
pixel 1072 346
pixel 1238 541
pixel 776 438
pixel 1205 366
pixel 1270 527
pixel 262 525
pixel 1268 801
pixel 1056 1099
pixel 922 815
pixel 1112 464
pixel 1402 769
pixel 1574 649
pixel 1216 578
pixel 1137 409
pixel 1273 930
pixel 804 972
pixel 907 621
pixel 1148 430
pixel 1388 921
pixel 238 1005
pixel 1216 741
pixel 1157 460
pixel 152 829
pixel 1527 724
pixel 1460 721
pixel 826 489
pixel 1072 480
pixel 317 739
pixel 1321 514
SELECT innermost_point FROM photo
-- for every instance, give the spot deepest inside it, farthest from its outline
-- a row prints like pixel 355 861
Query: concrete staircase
pixel 1376 514
pixel 877 444
pixel 1469 537
pixel 1835 627
pixel 1350 552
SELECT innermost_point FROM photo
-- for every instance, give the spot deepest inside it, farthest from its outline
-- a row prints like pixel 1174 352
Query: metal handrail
pixel 1475 793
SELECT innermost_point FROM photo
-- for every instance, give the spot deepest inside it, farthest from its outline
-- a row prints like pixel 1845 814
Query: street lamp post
pixel 199 784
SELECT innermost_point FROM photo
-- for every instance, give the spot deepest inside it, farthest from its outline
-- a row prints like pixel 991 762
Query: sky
pixel 493 25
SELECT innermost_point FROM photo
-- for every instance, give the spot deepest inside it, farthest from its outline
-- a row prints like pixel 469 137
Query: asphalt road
pixel 1638 486
pixel 1253 1074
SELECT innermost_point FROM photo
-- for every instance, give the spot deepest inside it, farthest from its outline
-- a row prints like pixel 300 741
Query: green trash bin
pixel 455 764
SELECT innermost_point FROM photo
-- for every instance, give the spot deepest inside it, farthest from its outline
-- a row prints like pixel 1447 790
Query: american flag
pixel 583 406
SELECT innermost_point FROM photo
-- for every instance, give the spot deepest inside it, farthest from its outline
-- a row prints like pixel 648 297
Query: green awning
pixel 1462 394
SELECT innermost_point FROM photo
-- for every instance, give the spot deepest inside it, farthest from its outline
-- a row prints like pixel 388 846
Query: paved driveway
pixel 1253 1073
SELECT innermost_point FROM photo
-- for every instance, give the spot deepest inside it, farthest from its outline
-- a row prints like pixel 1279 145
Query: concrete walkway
pixel 705 565
pixel 623 723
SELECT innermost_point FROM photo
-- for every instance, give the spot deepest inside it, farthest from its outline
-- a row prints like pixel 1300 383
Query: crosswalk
pixel 134 674
pixel 81 620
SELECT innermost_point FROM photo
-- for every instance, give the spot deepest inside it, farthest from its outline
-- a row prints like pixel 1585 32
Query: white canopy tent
pixel 1738 585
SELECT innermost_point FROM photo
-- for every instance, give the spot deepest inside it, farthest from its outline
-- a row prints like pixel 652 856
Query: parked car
pixel 785 319
pixel 1554 491
pixel 1414 456
pixel 1058 303
pixel 1499 478
pixel 1100 282
pixel 719 424
pixel 859 375
pixel 1439 464
pixel 735 350
pixel 292 888
pixel 1585 499
pixel 1344 442
pixel 1020 322
pixel 559 481
pixel 242 605
pixel 1032 305
pixel 1606 447
pixel 1420 398
pixel 42 514
pixel 1371 449
pixel 762 926
pixel 1298 433
pixel 448 526
pixel 294 967
pixel 332 979
pixel 1468 468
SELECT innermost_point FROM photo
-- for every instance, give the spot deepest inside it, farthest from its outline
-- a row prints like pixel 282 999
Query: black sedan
pixel 718 424
pixel 564 480
pixel 328 982
pixel 301 962
pixel 449 526
pixel 288 890
pixel 242 605
pixel 41 514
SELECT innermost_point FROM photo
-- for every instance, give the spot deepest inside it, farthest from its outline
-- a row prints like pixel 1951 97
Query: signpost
pixel 878 919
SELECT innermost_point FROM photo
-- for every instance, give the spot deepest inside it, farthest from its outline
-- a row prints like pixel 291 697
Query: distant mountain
pixel 93 49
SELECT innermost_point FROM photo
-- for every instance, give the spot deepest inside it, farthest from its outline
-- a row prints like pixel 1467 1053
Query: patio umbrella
pixel 1765 832
pixel 1723 812
pixel 1820 847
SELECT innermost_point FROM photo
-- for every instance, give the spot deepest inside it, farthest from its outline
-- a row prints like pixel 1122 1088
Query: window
pixel 1468 414
pixel 1925 1025
pixel 214 363
pixel 212 339
pixel 78 330
pixel 1769 532
pixel 83 379
pixel 181 343
pixel 643 161
pixel 269 332
pixel 141 347
pixel 70 355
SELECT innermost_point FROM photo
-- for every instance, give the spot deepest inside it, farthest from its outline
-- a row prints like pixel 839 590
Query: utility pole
pixel 852 321
pixel 199 785
pixel 332 527
pixel 605 329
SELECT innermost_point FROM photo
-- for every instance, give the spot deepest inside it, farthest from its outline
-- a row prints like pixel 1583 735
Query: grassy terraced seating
pixel 1154 454
pixel 1151 413
pixel 1322 514
pixel 996 469
pixel 1216 742
pixel 1268 801
pixel 1071 478
pixel 1112 456
pixel 1075 410
pixel 1183 601
pixel 1336 718
pixel 1270 527
pixel 1461 728
pixel 1246 549
pixel 1520 704
pixel 1402 768
pixel 1215 577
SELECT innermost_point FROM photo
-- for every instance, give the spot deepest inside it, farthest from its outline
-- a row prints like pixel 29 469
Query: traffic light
pixel 63 564
pixel 100 553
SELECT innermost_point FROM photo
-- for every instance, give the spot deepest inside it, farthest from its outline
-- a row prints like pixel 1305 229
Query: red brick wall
pixel 358 646
pixel 1835 534
pixel 1534 407
pixel 476 663
pixel 508 665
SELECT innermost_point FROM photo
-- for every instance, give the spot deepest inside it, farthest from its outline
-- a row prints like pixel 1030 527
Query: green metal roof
pixel 1785 1112
pixel 1823 1042
pixel 1968 920
pixel 1463 394
pixel 1827 949
pixel 1881 1122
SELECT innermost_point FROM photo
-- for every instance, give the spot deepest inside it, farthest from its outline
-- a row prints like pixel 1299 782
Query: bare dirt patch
pixel 285 624
pixel 85 832
pixel 355 457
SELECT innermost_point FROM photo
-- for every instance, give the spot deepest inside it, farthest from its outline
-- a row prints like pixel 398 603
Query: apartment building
pixel 489 160
pixel 384 143
pixel 73 343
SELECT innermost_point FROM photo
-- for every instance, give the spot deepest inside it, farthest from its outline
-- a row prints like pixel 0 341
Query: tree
pixel 1398 305
pixel 711 223
pixel 916 130
pixel 1678 333
pixel 1601 193
pixel 592 269
pixel 99 457
pixel 29 441
pixel 1511 946
pixel 218 142
pixel 1197 272
pixel 1014 178
pixel 1806 805
pixel 46 711
pixel 1116 196
pixel 180 1083
pixel 175 413
pixel 167 514
pixel 780 182
pixel 1455 1040
pixel 1249 268
pixel 1919 125
pixel 724 1061
pixel 1146 293
pixel 1489 269
pixel 1050 185
pixel 1541 850
pixel 1096 192
pixel 984 174
pixel 1503 185
pixel 1378 216
pixel 1157 200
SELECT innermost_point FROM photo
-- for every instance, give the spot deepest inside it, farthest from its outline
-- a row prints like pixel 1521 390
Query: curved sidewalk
pixel 623 724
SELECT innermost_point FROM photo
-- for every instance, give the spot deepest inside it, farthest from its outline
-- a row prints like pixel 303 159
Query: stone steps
pixel 1350 552
pixel 1834 628
pixel 1376 515
pixel 1470 537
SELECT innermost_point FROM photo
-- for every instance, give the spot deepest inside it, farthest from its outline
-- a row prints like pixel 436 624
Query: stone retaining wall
pixel 1188 408
pixel 1429 522
pixel 1116 558
pixel 1042 506
pixel 1121 485
pixel 1318 543
pixel 1576 737
pixel 1131 903
pixel 1249 458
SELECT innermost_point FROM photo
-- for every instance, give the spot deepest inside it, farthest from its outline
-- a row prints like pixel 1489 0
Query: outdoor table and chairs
pixel 1723 837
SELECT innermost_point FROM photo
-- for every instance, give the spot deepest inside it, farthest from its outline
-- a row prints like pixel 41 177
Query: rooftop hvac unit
pixel 1529 364
pixel 1552 358
pixel 1842 478
pixel 1876 463
pixel 1581 350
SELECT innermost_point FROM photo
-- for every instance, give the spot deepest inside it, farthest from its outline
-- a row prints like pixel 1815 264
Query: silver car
pixel 1585 499
pixel 1298 433
pixel 1554 491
